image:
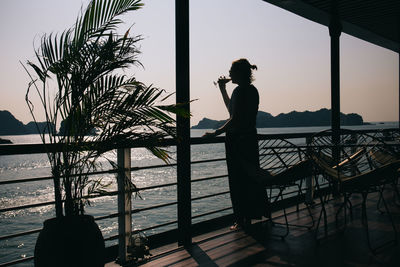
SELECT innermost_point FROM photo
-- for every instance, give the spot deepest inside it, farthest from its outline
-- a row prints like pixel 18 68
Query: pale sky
pixel 292 55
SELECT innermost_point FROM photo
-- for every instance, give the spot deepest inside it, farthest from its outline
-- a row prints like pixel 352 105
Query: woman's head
pixel 241 71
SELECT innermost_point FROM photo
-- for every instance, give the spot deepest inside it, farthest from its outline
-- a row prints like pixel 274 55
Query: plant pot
pixel 70 241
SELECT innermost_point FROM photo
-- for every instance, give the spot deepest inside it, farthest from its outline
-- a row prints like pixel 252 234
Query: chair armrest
pixel 296 172
pixel 352 158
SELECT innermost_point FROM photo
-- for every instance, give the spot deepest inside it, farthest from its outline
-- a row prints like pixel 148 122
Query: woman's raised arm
pixel 222 81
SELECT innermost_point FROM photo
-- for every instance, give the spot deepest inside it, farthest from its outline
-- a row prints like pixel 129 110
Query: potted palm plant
pixel 78 79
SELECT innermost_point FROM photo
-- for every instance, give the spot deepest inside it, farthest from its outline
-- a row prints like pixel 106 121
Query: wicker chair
pixel 288 167
pixel 351 166
pixel 392 153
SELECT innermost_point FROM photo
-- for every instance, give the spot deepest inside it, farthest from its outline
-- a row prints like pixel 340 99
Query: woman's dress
pixel 249 199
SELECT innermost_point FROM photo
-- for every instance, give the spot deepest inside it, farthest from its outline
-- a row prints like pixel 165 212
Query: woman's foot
pixel 243 224
pixel 235 227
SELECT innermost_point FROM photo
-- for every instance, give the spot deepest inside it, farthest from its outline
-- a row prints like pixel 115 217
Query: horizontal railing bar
pixel 152 167
pixel 207 160
pixel 209 178
pixel 35 179
pixel 154 227
pixel 110 238
pixel 16 261
pixel 26 180
pixel 110 216
pixel 114 215
pixel 211 212
pixel 156 186
pixel 154 207
pixel 15 149
pixel 29 206
pixel 20 234
pixel 212 195
pixel 53 202
pixel 142 230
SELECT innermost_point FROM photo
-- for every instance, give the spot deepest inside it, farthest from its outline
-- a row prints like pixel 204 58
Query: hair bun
pixel 253 67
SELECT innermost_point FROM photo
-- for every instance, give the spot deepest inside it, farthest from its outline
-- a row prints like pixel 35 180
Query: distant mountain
pixel 43 127
pixel 320 117
pixel 11 126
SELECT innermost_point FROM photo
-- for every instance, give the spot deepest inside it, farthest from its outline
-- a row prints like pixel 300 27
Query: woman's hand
pixel 210 134
pixel 222 81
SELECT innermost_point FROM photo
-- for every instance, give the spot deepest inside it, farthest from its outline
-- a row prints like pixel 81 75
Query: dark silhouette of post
pixel 124 203
pixel 183 124
pixel 335 29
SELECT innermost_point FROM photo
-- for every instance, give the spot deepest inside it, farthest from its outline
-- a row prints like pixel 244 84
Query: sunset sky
pixel 292 55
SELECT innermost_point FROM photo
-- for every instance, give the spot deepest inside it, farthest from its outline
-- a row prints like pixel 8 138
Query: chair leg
pixel 345 205
pixel 280 194
pixel 396 193
pixel 350 207
pixel 322 212
pixel 286 221
pixel 390 216
pixel 300 194
pixel 342 206
pixel 394 241
pixel 378 204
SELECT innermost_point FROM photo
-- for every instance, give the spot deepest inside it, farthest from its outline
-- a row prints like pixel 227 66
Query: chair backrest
pixel 277 155
pixel 391 137
pixel 358 153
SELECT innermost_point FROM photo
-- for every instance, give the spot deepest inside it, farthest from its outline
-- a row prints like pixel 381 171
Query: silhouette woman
pixel 248 197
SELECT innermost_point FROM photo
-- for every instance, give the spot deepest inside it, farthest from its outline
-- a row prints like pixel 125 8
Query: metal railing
pixel 32 149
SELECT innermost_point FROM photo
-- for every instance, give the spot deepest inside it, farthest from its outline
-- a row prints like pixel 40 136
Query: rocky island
pixel 320 117
pixel 11 126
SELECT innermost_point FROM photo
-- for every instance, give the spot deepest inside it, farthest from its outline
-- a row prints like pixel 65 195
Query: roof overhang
pixel 375 21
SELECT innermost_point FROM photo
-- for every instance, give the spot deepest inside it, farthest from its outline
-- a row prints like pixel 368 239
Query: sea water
pixel 37 165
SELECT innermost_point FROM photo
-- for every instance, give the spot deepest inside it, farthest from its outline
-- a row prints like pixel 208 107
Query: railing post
pixel 335 29
pixel 183 123
pixel 124 203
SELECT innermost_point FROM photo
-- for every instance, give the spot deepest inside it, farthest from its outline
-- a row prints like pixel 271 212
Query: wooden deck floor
pixel 257 247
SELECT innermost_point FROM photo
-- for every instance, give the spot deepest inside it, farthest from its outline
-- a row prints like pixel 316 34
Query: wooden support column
pixel 335 29
pixel 124 203
pixel 183 124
